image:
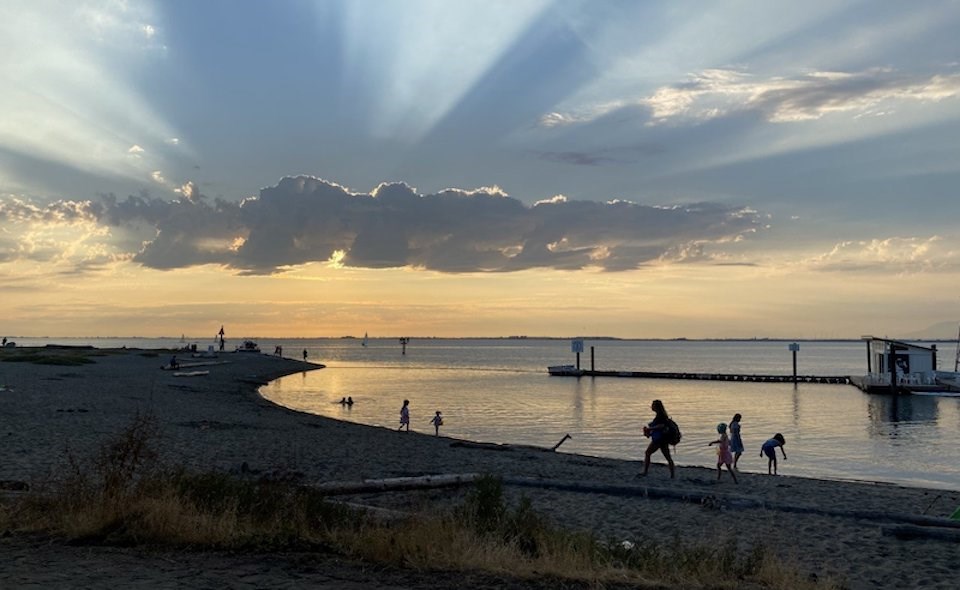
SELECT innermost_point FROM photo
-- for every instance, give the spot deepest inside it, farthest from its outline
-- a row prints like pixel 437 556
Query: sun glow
pixel 424 57
pixel 65 98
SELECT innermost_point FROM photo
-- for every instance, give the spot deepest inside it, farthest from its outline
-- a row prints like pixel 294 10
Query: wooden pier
pixel 570 371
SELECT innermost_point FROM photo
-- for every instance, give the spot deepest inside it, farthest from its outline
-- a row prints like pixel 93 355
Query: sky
pixel 423 168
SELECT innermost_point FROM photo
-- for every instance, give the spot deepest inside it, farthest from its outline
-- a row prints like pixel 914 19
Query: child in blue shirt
pixel 769 449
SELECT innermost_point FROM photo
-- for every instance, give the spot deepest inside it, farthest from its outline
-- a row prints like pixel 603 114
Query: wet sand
pixel 218 421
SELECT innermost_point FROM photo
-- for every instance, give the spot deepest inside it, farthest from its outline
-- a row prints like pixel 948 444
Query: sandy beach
pixel 217 421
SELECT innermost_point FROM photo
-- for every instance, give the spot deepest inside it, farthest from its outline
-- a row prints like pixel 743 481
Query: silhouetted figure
pixel 437 422
pixel 658 442
pixel 405 415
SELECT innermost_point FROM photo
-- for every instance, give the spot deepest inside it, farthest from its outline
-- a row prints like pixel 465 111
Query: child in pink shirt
pixel 724 456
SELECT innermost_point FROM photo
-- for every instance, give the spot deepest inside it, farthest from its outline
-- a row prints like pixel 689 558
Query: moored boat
pixel 904 367
pixel 565 370
pixel 248 346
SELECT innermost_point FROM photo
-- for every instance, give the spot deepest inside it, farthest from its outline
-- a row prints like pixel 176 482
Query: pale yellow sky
pixel 317 300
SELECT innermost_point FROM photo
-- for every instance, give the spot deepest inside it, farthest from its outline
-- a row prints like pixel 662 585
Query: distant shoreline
pixel 192 339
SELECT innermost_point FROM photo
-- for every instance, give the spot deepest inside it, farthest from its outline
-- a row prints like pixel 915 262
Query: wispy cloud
pixel 891 255
pixel 602 157
pixel 15 210
pixel 718 93
pixel 66 234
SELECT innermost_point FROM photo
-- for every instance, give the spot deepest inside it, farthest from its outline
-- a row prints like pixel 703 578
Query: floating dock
pixel 940 388
pixel 572 371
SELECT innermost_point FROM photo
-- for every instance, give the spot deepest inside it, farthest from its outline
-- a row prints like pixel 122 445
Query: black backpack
pixel 671 432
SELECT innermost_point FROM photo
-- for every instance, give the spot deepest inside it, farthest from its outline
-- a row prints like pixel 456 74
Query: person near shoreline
pixel 655 431
pixel 405 415
pixel 174 363
pixel 304 355
pixel 736 443
pixel 724 456
pixel 769 449
pixel 437 422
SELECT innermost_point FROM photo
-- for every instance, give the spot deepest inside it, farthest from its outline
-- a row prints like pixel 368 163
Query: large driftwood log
pixel 395 484
pixel 488 446
pixel 728 501
pixel 950 527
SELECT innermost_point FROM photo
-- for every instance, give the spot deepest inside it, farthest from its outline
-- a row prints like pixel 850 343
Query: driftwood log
pixel 466 444
pixel 395 484
pixel 728 501
pixel 909 531
pixel 488 446
pixel 654 493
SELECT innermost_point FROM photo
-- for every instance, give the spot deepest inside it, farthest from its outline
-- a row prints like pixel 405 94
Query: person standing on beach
pixel 724 456
pixel 655 431
pixel 769 449
pixel 736 443
pixel 437 421
pixel 405 415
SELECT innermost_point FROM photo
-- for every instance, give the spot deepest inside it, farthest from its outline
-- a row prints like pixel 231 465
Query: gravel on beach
pixel 217 421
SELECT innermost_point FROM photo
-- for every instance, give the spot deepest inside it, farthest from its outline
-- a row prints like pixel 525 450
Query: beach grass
pixel 54 356
pixel 124 495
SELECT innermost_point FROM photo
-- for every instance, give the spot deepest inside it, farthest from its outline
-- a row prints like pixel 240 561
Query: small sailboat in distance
pixel 364 342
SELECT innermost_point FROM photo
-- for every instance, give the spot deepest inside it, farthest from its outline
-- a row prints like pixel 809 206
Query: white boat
pixel 248 346
pixel 364 343
pixel 565 370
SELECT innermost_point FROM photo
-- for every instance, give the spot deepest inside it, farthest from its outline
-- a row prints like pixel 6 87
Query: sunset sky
pixel 480 168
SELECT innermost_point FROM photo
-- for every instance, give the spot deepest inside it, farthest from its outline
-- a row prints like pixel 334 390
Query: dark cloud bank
pixel 305 219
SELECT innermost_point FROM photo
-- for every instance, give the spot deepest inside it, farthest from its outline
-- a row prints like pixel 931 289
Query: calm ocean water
pixel 499 391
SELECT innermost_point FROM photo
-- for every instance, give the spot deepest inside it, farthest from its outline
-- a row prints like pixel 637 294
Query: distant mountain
pixel 940 331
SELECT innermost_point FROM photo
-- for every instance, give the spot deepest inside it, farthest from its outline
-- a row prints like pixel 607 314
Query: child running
pixel 736 443
pixel 724 456
pixel 769 449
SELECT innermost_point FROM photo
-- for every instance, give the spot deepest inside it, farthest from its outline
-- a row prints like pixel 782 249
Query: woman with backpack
pixel 658 432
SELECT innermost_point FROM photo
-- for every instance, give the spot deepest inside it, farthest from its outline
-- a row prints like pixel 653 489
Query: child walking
pixel 405 415
pixel 736 443
pixel 437 421
pixel 724 456
pixel 769 449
